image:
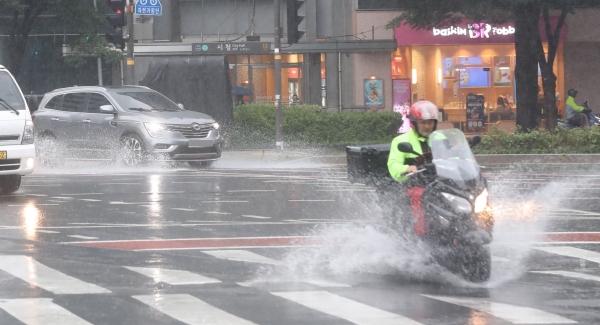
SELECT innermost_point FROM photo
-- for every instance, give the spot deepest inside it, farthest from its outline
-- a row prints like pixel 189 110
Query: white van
pixel 17 151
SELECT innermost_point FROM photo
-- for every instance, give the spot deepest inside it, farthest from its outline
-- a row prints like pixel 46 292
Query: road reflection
pixel 31 218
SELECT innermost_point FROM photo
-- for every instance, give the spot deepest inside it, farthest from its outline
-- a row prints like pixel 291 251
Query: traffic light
pixel 294 18
pixel 117 22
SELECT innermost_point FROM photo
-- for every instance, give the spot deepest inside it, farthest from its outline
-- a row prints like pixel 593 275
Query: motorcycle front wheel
pixel 475 263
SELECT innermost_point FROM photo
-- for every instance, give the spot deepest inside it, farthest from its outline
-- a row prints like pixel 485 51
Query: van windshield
pixel 10 93
pixel 147 100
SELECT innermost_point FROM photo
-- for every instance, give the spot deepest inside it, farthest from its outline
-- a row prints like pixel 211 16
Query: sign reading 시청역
pixel 220 48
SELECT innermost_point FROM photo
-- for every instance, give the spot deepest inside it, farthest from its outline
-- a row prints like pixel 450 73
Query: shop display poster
pixel 448 67
pixel 400 93
pixel 475 112
pixel 374 92
pixel 473 77
pixel 502 71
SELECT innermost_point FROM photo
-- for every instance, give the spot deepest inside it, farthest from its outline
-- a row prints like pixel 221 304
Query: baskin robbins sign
pixel 467 32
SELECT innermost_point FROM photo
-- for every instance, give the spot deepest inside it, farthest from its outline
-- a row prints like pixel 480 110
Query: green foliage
pixel 94 46
pixel 562 141
pixel 306 126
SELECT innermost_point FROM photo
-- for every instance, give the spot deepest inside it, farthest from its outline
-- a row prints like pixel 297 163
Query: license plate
pixel 2 154
pixel 200 143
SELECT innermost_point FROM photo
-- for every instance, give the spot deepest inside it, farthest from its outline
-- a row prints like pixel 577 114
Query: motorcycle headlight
pixel 215 126
pixel 461 205
pixel 155 130
pixel 481 201
pixel 28 133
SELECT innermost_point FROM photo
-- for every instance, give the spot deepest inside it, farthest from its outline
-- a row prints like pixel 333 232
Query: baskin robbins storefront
pixel 445 65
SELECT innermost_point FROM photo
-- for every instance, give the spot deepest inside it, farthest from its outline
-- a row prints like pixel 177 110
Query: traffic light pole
pixel 129 67
pixel 278 113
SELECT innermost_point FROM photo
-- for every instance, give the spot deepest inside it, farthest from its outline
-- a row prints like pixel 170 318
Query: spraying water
pixel 350 252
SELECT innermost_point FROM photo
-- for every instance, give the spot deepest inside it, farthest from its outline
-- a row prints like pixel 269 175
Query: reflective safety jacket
pixel 398 162
pixel 572 108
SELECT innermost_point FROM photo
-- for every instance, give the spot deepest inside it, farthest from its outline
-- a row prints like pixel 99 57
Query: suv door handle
pixel 54 119
pixel 87 121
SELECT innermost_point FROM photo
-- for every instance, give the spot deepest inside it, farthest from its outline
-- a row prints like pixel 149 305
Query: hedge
pixel 307 126
pixel 562 141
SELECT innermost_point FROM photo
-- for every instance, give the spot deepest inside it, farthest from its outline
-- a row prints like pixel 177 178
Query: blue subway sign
pixel 148 7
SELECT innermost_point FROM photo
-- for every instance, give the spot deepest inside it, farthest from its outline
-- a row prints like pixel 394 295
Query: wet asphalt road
pixel 246 243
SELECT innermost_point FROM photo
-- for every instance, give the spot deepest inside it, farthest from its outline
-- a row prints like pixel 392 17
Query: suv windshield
pixel 10 93
pixel 147 100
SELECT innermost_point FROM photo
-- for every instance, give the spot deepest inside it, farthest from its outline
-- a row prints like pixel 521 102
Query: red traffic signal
pixel 116 5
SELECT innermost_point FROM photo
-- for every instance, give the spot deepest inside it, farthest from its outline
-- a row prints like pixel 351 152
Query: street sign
pixel 148 7
pixel 231 48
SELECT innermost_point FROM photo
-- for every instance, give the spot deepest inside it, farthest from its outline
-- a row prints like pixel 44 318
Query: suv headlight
pixel 461 205
pixel 28 133
pixel 155 130
pixel 481 201
pixel 215 126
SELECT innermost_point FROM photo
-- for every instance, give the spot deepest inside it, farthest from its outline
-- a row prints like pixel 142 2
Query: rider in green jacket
pixel 423 116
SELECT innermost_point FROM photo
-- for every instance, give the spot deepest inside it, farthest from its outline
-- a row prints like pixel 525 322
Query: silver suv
pixel 130 123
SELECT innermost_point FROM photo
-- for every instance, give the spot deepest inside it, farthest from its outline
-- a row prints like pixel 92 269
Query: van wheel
pixel 49 152
pixel 132 152
pixel 10 184
pixel 201 164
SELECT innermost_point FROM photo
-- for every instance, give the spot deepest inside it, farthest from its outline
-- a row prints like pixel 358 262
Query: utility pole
pixel 278 115
pixel 129 70
pixel 99 59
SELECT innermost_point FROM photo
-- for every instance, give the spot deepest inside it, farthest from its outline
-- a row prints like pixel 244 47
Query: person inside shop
pixel 575 113
pixel 502 111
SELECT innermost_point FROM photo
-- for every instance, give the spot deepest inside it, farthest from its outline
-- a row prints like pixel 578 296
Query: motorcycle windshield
pixel 452 157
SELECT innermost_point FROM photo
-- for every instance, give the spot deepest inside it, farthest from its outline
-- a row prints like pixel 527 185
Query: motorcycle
pixel 593 119
pixel 449 202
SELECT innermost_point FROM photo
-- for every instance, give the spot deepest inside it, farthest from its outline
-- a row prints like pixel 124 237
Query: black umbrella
pixel 240 91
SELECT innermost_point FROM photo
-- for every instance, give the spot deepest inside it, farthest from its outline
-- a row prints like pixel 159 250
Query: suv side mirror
pixel 107 109
pixel 180 105
pixel 474 140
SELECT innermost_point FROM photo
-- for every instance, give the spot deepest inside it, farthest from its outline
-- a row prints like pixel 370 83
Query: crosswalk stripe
pixel 190 310
pixel 318 283
pixel 570 275
pixel 31 271
pixel 242 256
pixel 345 308
pixel 173 277
pixel 40 311
pixel 511 313
pixel 572 252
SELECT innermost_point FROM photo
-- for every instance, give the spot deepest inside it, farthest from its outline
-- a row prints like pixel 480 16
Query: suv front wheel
pixel 132 151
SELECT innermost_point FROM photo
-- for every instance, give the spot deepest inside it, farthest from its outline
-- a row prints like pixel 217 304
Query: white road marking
pixel 572 252
pixel 190 310
pixel 571 275
pixel 48 231
pixel 35 204
pixel 241 191
pixel 225 201
pixel 120 184
pixel 82 194
pixel 255 217
pixel 183 209
pixel 173 277
pixel 345 308
pixel 242 256
pixel 500 259
pixel 348 190
pixel 90 200
pixel 49 279
pixel 31 185
pixel 40 311
pixel 511 313
pixel 82 237
pixel 327 284
pixel 189 182
pixel 62 197
pixel 311 200
pixel 172 192
pixel 216 212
